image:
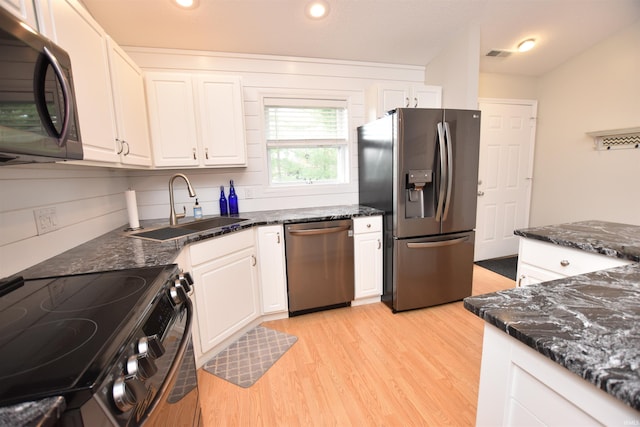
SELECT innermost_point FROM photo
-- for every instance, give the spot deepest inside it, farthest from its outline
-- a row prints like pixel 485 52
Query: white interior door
pixel 507 137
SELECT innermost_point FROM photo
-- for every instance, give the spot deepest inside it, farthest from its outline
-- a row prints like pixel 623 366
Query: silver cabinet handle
pixel 120 145
pixel 254 260
pixel 379 244
pixel 564 262
pixel 480 193
pixel 194 154
pixel 407 99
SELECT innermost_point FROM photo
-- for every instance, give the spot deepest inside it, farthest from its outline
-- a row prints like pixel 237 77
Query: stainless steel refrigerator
pixel 420 166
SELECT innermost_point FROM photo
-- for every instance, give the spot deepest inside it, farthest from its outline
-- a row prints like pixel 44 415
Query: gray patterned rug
pixel 247 359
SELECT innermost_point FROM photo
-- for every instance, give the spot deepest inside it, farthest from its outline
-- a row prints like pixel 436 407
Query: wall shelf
pixel 616 139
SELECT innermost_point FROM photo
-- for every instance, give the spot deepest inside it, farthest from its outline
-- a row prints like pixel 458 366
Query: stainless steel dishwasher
pixel 319 265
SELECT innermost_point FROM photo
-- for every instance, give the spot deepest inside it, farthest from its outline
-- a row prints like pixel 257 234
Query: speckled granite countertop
pixel 601 237
pixel 589 323
pixel 117 250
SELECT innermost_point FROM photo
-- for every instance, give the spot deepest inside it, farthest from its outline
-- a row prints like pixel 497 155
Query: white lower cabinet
pixel 367 251
pixel 226 293
pixel 273 270
pixel 541 261
pixel 521 387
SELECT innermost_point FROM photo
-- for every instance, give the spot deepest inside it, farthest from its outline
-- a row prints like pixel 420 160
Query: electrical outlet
pixel 46 220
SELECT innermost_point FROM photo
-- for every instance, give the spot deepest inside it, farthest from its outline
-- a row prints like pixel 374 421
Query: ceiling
pixel 409 32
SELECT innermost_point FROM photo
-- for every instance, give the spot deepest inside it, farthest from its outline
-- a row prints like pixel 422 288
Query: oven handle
pixel 175 366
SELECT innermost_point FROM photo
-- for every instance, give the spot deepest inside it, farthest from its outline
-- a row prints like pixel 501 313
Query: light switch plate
pixel 46 220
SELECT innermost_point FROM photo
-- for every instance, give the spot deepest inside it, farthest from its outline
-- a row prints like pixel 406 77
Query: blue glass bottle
pixel 223 202
pixel 233 200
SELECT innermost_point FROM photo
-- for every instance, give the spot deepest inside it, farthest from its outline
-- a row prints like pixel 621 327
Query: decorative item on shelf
pixel 132 210
pixel 616 139
pixel 197 210
pixel 233 200
pixel 223 202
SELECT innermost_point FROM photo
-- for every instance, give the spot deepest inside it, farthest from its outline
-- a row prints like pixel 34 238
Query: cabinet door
pixel 23 10
pixel 85 41
pixel 427 96
pixel 273 272
pixel 130 108
pixel 172 119
pixel 226 296
pixel 530 275
pixel 221 120
pixel 392 97
pixel 368 264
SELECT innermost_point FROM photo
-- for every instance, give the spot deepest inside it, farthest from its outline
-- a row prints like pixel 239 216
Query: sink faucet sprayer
pixel 173 217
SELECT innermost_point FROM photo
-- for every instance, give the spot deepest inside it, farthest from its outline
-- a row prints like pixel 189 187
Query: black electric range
pixel 62 336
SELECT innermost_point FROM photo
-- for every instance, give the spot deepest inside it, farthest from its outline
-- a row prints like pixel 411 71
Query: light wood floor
pixel 364 366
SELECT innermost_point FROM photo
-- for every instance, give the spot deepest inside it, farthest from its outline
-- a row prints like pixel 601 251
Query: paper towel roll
pixel 132 209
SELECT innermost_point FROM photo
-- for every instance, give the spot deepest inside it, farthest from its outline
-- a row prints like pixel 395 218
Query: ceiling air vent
pixel 499 53
pixel 616 139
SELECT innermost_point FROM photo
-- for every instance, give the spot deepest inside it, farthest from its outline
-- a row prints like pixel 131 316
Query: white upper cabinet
pixel 85 41
pixel 196 120
pixel 130 107
pixel 23 10
pixel 109 87
pixel 221 120
pixel 389 96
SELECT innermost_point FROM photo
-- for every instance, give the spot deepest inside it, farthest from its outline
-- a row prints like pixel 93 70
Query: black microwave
pixel 38 115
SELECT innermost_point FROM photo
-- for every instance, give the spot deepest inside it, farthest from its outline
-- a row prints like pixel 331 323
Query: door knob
pixel 480 193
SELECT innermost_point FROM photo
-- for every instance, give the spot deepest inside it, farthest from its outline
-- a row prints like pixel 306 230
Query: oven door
pixel 179 405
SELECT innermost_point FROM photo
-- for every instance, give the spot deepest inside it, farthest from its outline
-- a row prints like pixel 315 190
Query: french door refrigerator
pixel 420 166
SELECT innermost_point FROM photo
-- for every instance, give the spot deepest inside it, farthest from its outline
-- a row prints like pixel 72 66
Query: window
pixel 307 141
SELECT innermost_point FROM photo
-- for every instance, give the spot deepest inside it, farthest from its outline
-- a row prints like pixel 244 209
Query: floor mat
pixel 247 359
pixel 506 267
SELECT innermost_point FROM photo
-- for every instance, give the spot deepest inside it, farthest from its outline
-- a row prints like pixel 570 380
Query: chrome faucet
pixel 173 217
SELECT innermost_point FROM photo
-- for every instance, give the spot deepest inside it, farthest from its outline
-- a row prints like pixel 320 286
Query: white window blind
pixel 307 140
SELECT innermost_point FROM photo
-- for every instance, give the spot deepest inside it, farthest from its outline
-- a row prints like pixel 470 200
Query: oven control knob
pixel 177 295
pixel 126 392
pixel 141 366
pixel 182 283
pixel 151 346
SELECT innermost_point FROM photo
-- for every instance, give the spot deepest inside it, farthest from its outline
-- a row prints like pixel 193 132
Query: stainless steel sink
pixel 173 232
pixel 206 224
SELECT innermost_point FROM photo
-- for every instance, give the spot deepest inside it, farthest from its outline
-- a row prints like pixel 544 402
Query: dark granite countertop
pixel 117 250
pixel 601 237
pixel 590 323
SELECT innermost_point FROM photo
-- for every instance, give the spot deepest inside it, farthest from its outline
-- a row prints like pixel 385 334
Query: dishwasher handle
pixel 414 245
pixel 314 231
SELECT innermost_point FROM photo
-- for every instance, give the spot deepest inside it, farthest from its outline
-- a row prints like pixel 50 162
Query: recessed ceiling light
pixel 317 9
pixel 186 4
pixel 526 45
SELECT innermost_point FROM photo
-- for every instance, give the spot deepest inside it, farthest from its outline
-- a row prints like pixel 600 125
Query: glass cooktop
pixel 59 334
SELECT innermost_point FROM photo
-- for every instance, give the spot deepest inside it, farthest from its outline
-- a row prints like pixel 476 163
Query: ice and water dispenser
pixel 419 194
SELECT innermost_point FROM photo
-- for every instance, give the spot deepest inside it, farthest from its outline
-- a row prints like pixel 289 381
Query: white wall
pixel 456 69
pixel 507 86
pixel 90 200
pixel 597 90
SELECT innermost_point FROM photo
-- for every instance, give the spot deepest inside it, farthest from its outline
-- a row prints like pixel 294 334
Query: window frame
pixel 344 181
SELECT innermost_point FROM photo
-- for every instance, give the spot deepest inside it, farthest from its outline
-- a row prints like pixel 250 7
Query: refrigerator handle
pixel 416 245
pixel 443 172
pixel 449 142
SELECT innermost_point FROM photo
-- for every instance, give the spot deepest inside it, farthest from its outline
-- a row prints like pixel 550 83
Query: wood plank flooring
pixel 364 366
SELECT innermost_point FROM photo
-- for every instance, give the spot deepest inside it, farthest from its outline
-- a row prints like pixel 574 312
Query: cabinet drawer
pixel 220 246
pixel 367 224
pixel 564 260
